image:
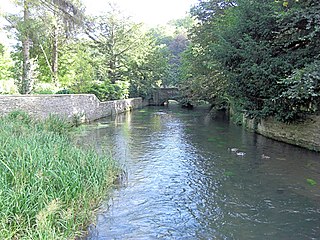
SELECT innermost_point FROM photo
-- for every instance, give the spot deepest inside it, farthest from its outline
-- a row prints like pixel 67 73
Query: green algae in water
pixel 311 182
pixel 212 140
pixel 229 174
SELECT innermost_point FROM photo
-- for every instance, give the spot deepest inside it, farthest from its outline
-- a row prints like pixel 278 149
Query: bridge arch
pixel 162 95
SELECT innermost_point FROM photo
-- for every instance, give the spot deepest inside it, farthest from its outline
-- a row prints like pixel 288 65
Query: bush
pixel 65 91
pixel 106 91
pixel 301 94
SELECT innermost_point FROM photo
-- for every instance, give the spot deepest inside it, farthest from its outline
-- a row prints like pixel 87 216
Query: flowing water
pixel 184 180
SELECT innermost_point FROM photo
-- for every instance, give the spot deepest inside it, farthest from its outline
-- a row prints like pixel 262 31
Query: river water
pixel 184 180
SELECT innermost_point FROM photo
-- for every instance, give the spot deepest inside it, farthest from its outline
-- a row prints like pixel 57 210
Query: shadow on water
pixel 187 180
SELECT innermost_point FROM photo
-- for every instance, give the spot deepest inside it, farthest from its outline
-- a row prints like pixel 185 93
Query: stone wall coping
pixel 45 95
pixel 61 95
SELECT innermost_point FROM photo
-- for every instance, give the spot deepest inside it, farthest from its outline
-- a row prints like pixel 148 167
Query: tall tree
pixel 23 24
pixel 43 21
pixel 65 15
pixel 115 39
pixel 26 83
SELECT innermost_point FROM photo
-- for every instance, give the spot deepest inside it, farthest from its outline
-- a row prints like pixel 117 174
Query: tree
pixel 202 77
pixel 174 39
pixel 115 39
pixel 63 16
pixel 26 67
pixel 33 30
pixel 26 81
pixel 267 52
pixel 150 72
pixel 120 49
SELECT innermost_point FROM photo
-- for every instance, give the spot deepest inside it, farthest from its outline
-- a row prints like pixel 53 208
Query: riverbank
pixel 305 134
pixel 49 187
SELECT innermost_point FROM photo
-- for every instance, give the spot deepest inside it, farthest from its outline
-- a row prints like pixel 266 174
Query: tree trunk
pixel 25 87
pixel 54 67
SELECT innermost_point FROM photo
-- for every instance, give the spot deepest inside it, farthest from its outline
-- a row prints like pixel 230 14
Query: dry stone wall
pixel 85 106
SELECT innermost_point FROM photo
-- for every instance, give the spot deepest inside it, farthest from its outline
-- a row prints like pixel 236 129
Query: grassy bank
pixel 48 186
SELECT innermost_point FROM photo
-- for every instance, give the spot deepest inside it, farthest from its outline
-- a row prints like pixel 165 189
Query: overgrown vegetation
pixel 264 55
pixel 49 187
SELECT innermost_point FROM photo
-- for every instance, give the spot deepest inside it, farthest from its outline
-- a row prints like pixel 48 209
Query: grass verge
pixel 48 187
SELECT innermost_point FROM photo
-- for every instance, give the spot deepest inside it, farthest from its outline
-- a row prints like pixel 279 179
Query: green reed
pixel 49 187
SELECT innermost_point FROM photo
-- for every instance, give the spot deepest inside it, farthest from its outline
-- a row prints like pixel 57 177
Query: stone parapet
pixel 87 107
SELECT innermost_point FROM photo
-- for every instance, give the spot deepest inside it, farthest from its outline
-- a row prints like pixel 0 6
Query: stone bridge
pixel 160 96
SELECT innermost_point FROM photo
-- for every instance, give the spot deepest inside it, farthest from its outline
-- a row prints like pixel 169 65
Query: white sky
pixel 151 12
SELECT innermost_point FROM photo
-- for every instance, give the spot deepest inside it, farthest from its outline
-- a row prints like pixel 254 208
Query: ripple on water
pixel 185 181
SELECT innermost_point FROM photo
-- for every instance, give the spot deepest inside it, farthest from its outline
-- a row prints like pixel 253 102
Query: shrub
pixel 65 91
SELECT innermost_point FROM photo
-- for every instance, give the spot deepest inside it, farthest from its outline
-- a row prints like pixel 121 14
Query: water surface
pixel 184 180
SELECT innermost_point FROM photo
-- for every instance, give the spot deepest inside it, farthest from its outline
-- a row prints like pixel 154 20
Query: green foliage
pixel 55 124
pixel 76 67
pixel 150 73
pixel 117 59
pixel 49 187
pixel 123 58
pixel 64 91
pixel 115 41
pixel 301 94
pixel 202 81
pixel 265 54
pixel 26 84
pixel 107 91
pixel 77 119
pixel 311 182
pixel 173 41
pixel 43 91
pixel 44 88
pixel 6 63
pixel 20 117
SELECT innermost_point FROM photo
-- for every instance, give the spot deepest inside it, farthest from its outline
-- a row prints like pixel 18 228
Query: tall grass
pixel 48 186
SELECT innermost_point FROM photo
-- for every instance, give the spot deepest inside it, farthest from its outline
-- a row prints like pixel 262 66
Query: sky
pixel 151 12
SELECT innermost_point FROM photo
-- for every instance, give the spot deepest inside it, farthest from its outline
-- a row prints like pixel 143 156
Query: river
pixel 189 176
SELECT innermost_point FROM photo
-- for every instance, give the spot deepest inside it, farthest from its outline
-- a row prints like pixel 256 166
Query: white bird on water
pixel 264 156
pixel 241 153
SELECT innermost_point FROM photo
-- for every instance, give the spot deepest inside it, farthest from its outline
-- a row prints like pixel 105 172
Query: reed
pixel 48 186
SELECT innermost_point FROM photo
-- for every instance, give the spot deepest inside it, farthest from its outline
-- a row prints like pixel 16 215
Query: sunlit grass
pixel 48 187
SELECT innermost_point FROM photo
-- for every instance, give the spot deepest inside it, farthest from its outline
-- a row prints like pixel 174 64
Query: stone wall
pixel 305 134
pixel 85 106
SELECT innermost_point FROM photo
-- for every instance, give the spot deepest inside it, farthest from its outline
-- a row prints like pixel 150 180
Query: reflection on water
pixel 186 181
